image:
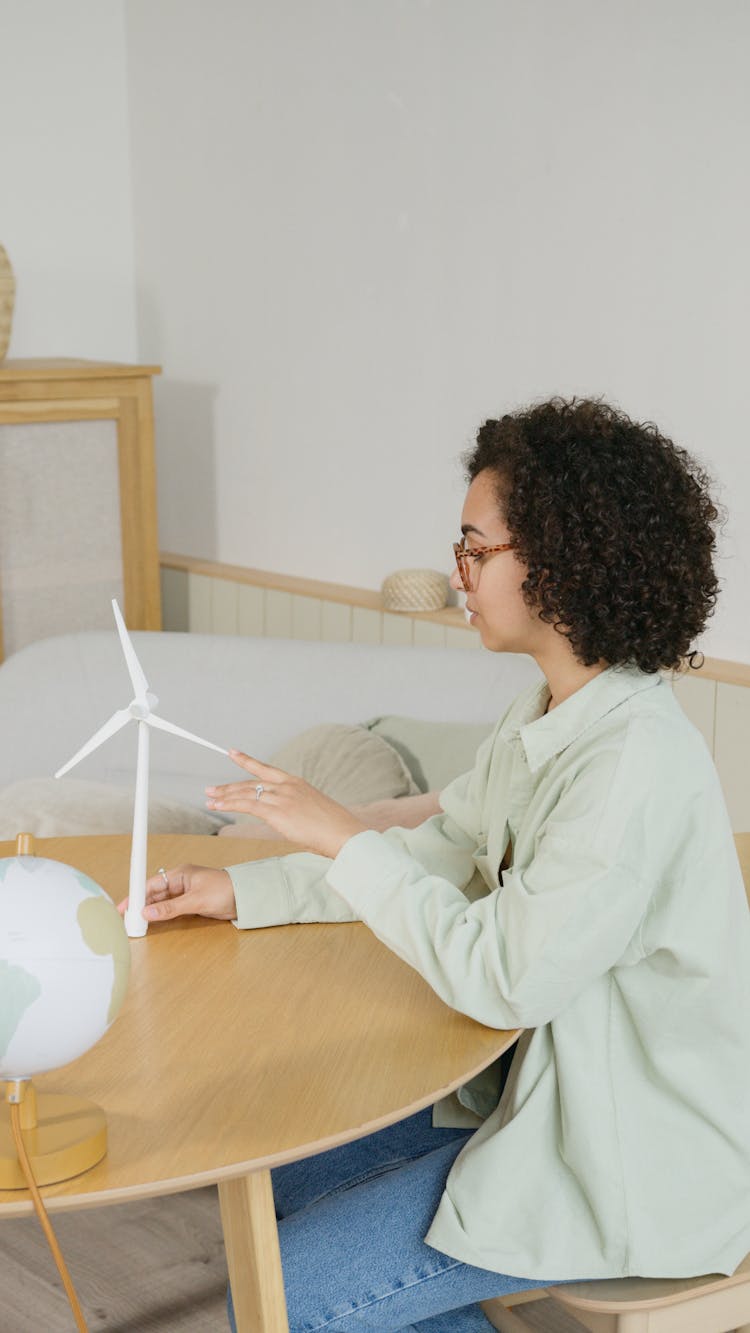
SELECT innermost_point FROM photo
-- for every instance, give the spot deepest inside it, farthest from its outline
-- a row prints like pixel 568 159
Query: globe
pixel 64 964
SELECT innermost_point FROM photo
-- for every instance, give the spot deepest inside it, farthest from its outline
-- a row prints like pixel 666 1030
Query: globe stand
pixel 63 1135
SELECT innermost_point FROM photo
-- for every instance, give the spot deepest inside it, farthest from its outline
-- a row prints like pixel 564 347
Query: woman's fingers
pixel 192 891
pixel 243 796
pixel 171 907
pixel 188 890
pixel 263 771
pixel 163 884
pixel 231 789
pixel 289 805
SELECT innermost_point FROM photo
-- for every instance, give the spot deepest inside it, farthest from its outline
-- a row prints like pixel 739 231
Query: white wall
pixel 363 225
pixel 65 192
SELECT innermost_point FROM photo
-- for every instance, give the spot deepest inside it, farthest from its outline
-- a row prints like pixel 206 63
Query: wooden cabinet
pixel 77 498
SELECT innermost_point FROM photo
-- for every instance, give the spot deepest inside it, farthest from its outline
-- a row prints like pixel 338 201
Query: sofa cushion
pixel 67 807
pixel 434 752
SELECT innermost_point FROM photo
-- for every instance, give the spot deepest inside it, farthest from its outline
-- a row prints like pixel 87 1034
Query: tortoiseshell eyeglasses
pixel 463 555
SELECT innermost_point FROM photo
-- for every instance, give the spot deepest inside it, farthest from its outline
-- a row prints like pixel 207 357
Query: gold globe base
pixel 63 1136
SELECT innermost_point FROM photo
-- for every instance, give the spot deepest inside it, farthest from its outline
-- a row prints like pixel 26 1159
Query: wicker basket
pixel 415 590
pixel 7 301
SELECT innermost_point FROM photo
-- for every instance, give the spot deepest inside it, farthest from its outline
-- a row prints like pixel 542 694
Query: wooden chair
pixel 710 1304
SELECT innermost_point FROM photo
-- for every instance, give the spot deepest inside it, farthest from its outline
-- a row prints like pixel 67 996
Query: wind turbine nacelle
pixel 141 708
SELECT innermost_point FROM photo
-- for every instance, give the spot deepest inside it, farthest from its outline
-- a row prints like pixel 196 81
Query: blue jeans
pixel 351 1223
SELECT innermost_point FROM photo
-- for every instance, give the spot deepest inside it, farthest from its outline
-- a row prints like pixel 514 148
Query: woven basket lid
pixel 415 590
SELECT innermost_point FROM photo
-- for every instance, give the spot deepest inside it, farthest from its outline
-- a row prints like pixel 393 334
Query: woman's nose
pixel 455 580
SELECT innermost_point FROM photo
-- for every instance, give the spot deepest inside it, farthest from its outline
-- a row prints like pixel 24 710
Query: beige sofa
pixel 389 721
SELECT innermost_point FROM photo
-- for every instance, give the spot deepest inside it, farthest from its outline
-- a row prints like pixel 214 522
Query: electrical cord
pixel 41 1212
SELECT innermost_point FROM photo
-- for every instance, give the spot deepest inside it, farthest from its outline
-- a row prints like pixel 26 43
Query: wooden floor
pixel 137 1267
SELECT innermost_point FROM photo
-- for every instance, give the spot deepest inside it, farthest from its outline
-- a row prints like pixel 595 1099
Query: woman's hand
pixel 189 891
pixel 289 805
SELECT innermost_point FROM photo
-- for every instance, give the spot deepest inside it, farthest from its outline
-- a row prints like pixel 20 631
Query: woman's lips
pixel 470 614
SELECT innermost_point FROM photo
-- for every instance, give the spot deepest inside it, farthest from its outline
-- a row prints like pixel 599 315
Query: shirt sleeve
pixel 296 888
pixel 285 889
pixel 515 958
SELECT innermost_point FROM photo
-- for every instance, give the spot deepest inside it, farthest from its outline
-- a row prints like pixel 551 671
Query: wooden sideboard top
pixel 69 367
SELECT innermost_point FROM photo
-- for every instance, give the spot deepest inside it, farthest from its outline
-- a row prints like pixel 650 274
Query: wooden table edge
pixel 61 1203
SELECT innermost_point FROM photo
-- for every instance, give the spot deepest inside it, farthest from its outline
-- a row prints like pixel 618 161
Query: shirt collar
pixel 545 735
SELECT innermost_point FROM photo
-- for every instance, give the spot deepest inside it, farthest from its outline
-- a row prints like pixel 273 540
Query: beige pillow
pixel 347 763
pixel 66 807
pixel 434 752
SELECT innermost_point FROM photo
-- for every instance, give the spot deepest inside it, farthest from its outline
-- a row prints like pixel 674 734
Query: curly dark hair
pixel 614 523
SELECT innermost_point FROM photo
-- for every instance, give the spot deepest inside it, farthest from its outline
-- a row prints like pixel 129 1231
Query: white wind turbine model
pixel 140 710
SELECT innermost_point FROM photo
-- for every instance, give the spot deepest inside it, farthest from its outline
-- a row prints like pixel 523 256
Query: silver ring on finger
pixel 164 876
pixel 259 790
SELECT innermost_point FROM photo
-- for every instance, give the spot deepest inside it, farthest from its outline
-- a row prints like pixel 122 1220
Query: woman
pixel 580 883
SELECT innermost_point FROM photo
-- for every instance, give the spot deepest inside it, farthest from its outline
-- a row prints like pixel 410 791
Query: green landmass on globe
pixel 19 989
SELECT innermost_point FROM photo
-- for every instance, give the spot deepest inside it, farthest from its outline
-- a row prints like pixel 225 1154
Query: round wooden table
pixel 239 1050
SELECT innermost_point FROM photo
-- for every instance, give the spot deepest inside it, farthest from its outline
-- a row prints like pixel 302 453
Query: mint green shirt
pixel 619 939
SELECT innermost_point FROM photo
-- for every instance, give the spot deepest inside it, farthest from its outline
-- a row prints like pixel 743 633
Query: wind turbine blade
pixel 153 721
pixel 135 670
pixel 115 723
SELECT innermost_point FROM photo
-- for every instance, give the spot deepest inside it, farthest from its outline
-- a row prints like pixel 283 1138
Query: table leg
pixel 252 1245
